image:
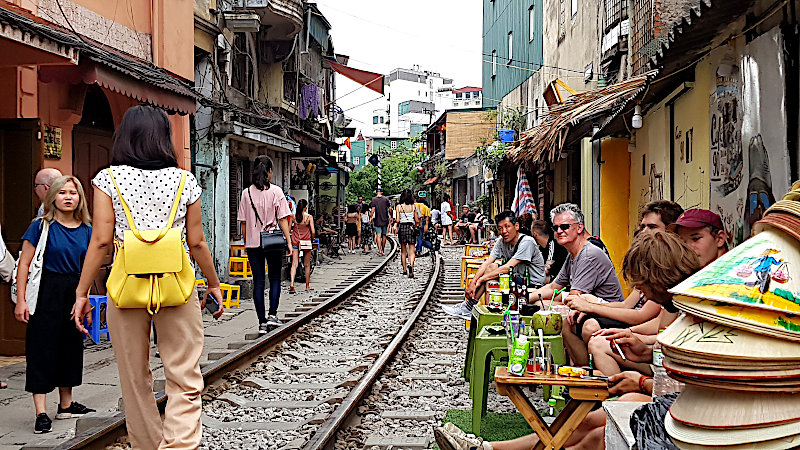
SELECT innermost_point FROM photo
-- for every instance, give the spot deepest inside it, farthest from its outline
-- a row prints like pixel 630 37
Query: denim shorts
pixel 381 230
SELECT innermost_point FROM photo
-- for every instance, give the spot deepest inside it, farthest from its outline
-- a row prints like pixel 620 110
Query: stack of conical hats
pixel 737 348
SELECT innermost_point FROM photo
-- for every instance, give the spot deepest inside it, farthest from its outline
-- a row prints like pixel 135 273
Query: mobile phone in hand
pixel 212 304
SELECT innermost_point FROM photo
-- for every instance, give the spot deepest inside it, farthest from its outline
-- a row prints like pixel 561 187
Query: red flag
pixel 371 80
pixel 347 142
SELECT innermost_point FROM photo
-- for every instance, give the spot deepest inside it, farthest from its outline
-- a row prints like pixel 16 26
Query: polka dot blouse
pixel 149 195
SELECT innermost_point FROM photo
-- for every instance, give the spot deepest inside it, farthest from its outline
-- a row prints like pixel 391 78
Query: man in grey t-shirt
pixel 519 252
pixel 588 270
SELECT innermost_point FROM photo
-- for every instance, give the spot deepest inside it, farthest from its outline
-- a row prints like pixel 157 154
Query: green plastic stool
pixel 480 318
pixel 488 347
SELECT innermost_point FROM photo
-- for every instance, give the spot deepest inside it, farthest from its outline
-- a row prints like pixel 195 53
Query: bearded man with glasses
pixel 588 270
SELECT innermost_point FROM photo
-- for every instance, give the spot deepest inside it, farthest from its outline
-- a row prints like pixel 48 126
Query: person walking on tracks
pixel 408 218
pixel 302 234
pixel 53 347
pixel 144 190
pixel 380 219
pixel 263 207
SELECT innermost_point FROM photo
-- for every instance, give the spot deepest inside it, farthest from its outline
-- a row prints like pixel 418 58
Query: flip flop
pixel 291 289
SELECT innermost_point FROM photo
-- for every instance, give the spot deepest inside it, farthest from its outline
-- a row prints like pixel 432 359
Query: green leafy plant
pixel 398 171
pixel 511 118
pixel 491 155
pixel 441 169
pixel 483 201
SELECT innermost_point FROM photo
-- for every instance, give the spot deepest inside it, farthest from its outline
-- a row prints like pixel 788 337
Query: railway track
pixel 296 386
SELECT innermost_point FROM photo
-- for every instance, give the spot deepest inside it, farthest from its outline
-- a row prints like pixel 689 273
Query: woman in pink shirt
pixel 263 207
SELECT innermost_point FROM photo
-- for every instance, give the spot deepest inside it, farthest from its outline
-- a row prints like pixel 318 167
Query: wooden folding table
pixel 585 394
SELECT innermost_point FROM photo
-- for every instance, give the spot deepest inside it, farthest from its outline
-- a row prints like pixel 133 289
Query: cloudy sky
pixel 380 35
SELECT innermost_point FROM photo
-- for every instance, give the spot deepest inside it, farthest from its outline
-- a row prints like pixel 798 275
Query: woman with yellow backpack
pixel 149 209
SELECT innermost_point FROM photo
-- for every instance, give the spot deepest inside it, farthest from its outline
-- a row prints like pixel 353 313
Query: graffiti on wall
pixel 748 149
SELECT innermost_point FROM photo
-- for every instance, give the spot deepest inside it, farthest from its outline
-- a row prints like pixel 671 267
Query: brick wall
pixel 652 21
pixel 466 131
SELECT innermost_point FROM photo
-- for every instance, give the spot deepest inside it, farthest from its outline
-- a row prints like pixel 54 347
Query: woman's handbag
pixel 305 244
pixel 151 268
pixel 34 271
pixel 7 263
pixel 272 240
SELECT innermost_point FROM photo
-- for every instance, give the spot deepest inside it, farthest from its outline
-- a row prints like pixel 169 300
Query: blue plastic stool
pixel 99 324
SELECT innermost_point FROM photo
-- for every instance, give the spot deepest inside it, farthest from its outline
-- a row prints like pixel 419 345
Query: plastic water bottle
pixel 662 383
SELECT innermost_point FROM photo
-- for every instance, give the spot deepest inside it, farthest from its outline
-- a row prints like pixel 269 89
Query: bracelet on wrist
pixel 642 380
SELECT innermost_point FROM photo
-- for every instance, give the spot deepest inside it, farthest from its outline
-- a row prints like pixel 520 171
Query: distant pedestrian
pixel 147 179
pixel 302 232
pixel 41 184
pixel 381 205
pixel 447 220
pixel 352 218
pixel 408 219
pixel 53 347
pixel 264 208
pixel 366 229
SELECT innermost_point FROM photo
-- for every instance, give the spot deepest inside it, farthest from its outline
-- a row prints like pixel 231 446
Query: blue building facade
pixel 512 45
pixel 358 152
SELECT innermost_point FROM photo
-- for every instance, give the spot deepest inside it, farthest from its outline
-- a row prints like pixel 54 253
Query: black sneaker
pixel 410 271
pixel 263 328
pixel 43 424
pixel 74 410
pixel 273 321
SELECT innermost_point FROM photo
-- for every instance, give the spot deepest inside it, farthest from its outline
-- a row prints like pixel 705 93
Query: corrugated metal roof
pixel 693 35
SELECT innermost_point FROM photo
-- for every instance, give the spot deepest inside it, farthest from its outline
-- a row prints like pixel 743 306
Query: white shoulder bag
pixel 34 271
pixel 6 262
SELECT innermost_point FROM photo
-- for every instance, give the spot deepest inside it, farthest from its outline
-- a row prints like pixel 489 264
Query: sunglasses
pixel 562 227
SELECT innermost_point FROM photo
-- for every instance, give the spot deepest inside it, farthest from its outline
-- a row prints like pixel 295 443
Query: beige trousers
pixel 180 343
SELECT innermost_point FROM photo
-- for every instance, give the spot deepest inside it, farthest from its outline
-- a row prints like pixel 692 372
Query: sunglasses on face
pixel 562 227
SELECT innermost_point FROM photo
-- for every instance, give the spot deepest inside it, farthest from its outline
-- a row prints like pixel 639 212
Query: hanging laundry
pixel 309 101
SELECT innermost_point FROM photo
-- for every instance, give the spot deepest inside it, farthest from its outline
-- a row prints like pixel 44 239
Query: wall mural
pixel 748 148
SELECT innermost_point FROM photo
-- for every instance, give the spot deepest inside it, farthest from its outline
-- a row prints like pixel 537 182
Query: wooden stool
pixel 239 266
pixel 237 250
pixel 200 282
pixel 227 294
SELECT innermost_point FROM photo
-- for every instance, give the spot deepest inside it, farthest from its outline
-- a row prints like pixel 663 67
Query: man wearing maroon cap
pixel 703 231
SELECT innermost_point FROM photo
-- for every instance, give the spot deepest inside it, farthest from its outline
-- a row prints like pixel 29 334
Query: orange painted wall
pixel 173 36
pixel 134 14
pixel 614 195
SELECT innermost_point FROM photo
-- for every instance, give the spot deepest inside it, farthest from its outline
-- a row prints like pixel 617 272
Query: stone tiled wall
pixel 98 28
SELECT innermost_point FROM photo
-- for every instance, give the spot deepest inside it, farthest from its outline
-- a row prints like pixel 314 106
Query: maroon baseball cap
pixel 695 218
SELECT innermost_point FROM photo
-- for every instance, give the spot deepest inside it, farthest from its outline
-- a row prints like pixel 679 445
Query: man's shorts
pixel 381 230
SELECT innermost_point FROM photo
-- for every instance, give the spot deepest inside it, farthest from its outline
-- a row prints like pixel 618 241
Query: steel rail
pixel 107 431
pixel 327 431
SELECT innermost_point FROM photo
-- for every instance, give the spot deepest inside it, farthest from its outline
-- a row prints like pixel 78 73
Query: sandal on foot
pixel 291 289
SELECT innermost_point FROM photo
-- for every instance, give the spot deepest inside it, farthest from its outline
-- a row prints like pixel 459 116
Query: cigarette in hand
pixel 619 350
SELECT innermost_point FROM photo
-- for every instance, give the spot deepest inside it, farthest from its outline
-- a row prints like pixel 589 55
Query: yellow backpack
pixel 151 268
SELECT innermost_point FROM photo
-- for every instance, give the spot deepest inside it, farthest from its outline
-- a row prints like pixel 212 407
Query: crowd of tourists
pixel 574 269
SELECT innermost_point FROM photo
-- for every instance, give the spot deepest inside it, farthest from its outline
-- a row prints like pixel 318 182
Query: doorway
pixel 20 158
pixel 92 139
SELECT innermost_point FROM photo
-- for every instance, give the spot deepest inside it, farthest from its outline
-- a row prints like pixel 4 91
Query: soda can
pixel 495 298
pixel 505 284
pixel 492 285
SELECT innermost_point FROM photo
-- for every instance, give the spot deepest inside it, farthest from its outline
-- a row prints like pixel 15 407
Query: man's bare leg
pixel 588 435
pixel 610 363
pixel 576 348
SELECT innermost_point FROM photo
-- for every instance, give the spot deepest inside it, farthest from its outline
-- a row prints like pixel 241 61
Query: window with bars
pixel 646 38
pixel 614 12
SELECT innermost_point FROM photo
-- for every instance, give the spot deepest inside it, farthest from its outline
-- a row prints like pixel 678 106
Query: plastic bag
pixel 647 424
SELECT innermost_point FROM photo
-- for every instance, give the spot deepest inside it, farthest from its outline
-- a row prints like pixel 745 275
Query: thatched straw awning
pixel 543 143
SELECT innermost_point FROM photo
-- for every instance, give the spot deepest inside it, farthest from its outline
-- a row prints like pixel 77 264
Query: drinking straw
pixel 541 340
pixel 554 296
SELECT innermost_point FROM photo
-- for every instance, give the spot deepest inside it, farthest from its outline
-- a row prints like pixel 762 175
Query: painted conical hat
pixel 692 335
pixel 713 408
pixel 753 372
pixel 786 443
pixel 713 437
pixel 767 322
pixel 762 272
